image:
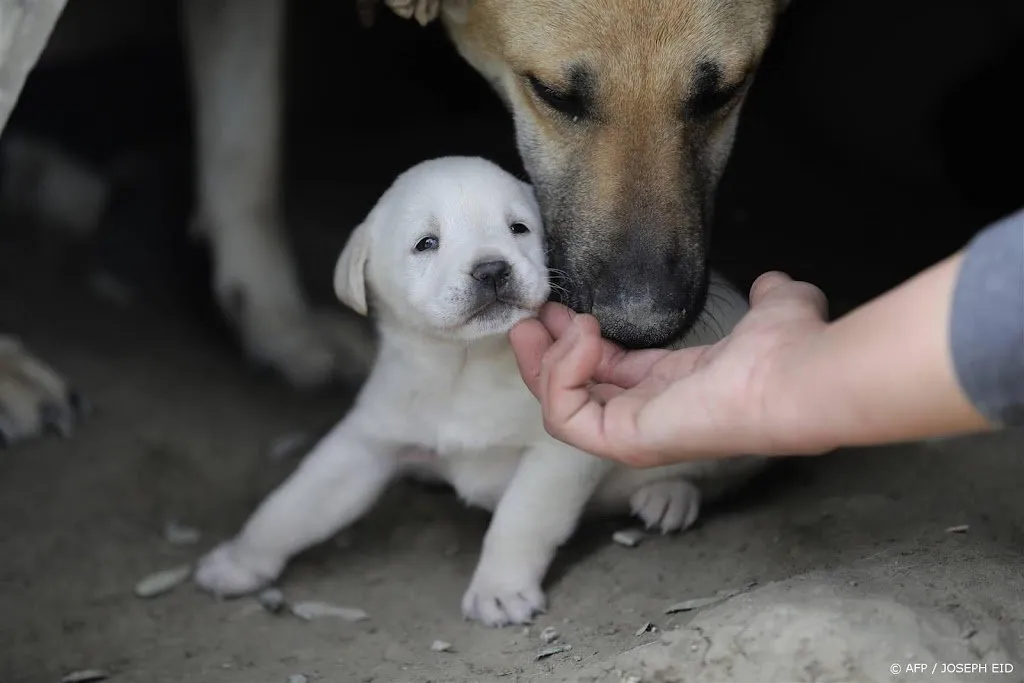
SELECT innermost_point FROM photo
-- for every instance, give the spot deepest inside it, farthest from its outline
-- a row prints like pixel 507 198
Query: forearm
pixel 936 356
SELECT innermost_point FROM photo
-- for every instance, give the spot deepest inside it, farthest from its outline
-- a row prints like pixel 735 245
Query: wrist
pixel 882 373
pixel 801 394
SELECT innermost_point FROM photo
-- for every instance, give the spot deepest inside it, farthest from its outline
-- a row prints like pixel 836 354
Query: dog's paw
pixel 309 348
pixel 671 505
pixel 424 11
pixel 501 598
pixel 229 570
pixel 34 399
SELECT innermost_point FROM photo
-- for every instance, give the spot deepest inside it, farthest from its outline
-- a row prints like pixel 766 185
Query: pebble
pixel 958 529
pixel 646 628
pixel 697 603
pixel 85 676
pixel 630 538
pixel 179 534
pixel 549 635
pixel 440 646
pixel 287 445
pixel 163 581
pixel 553 650
pixel 314 610
pixel 271 599
pixel 297 678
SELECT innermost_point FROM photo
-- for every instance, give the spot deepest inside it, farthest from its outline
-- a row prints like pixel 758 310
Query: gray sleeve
pixel 987 322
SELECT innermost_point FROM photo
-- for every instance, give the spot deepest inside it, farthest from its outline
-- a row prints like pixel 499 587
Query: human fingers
pixel 530 340
pixel 556 318
pixel 776 288
pixel 572 409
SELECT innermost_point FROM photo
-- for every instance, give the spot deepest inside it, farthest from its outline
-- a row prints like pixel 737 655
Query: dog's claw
pixel 57 419
pixel 34 399
pixel 671 505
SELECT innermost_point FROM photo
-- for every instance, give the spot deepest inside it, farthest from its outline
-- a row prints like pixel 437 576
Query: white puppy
pixel 450 258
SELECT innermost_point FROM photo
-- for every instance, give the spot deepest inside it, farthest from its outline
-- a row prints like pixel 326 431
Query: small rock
pixel 958 529
pixel 630 538
pixel 549 635
pixel 162 582
pixel 440 646
pixel 286 445
pixel 271 599
pixel 697 603
pixel 646 628
pixel 632 679
pixel 85 676
pixel 553 650
pixel 297 678
pixel 179 534
pixel 314 610
pixel 577 658
pixel 969 633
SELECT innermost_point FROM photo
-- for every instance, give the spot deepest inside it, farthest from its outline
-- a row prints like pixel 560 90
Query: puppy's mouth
pixel 498 307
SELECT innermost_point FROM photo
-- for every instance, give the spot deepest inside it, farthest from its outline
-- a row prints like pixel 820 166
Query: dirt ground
pixel 182 429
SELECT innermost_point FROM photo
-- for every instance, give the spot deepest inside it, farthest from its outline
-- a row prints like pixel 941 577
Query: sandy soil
pixel 851 554
pixel 181 430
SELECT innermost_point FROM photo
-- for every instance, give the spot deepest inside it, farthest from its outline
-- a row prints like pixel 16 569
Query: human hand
pixel 653 407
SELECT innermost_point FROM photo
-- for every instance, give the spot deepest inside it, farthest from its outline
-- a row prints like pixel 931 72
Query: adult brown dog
pixel 625 113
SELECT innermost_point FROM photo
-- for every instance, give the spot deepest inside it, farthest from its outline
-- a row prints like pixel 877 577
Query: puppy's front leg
pixel 335 485
pixel 537 514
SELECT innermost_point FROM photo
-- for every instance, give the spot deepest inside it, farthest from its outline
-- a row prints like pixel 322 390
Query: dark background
pixel 879 135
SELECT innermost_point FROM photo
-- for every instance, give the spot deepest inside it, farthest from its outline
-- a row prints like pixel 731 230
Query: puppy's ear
pixel 350 271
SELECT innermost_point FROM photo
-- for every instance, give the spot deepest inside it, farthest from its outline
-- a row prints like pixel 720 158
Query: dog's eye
pixel 519 228
pixel 710 95
pixel 571 104
pixel 705 104
pixel 429 243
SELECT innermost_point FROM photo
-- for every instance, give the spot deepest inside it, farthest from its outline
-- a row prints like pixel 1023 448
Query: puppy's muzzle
pixel 492 275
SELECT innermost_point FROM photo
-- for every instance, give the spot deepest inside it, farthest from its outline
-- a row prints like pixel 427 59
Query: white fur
pixel 447 384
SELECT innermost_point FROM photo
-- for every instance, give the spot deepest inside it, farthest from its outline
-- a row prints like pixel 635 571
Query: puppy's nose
pixel 492 272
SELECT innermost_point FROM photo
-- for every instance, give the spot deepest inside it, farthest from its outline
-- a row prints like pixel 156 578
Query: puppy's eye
pixel 429 243
pixel 519 228
pixel 569 103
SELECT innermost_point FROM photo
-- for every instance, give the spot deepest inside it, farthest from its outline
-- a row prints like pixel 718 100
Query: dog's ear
pixel 350 271
pixel 426 11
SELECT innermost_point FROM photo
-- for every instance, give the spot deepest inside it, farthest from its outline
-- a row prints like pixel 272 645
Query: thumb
pixel 775 287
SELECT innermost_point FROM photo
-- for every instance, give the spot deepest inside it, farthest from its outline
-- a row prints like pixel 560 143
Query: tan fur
pixel 627 192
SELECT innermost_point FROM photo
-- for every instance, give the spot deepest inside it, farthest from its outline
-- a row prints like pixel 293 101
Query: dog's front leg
pixel 335 485
pixel 537 514
pixel 235 55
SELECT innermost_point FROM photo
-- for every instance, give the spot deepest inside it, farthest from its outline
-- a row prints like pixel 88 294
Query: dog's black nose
pixel 492 272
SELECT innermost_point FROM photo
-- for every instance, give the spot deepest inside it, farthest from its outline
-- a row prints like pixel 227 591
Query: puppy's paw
pixel 424 11
pixel 671 505
pixel 229 570
pixel 34 399
pixel 500 598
